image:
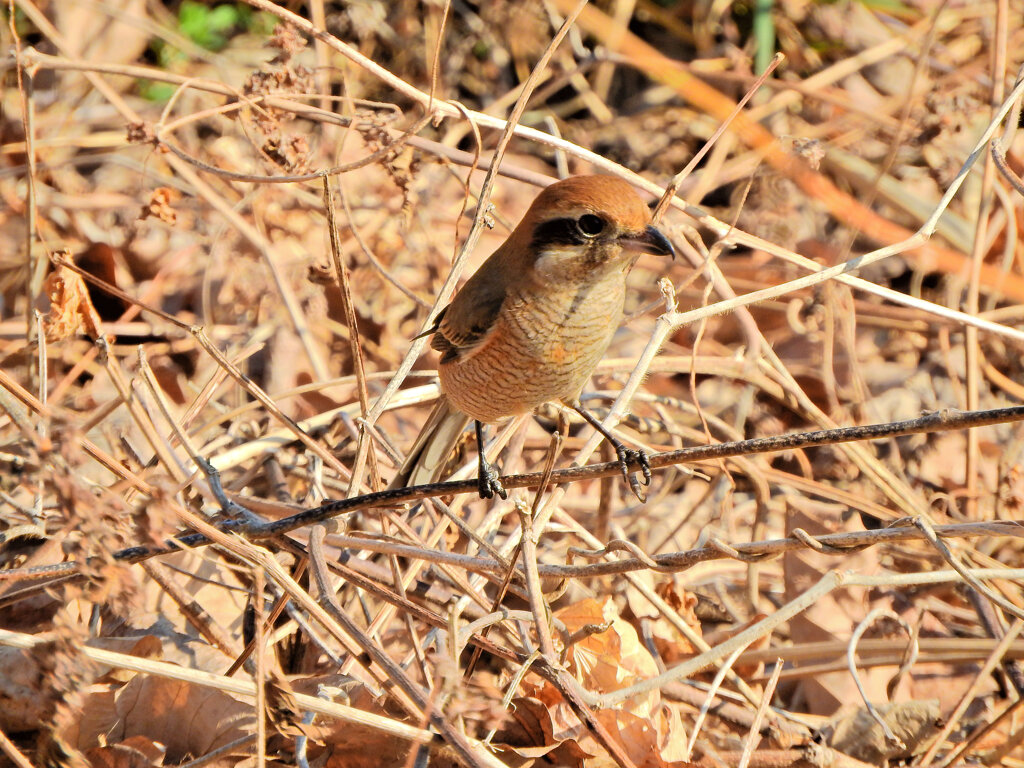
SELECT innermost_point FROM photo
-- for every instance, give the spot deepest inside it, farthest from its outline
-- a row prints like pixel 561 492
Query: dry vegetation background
pixel 163 304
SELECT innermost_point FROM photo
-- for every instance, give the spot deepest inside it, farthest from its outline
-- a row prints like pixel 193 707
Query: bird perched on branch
pixel 532 323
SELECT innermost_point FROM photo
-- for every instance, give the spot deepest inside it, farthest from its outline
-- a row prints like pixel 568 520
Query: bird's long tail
pixel 430 453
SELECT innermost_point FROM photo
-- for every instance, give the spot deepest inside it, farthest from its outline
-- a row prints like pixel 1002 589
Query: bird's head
pixel 587 225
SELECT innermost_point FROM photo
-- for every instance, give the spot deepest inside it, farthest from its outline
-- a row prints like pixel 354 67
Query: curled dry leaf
pixel 551 729
pixel 186 719
pixel 26 674
pixel 544 726
pixel 649 742
pixel 134 752
pixel 610 660
pixel 71 310
pixel 669 642
pixel 860 736
pixel 607 656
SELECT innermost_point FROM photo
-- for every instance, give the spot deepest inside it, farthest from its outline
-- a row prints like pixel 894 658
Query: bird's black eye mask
pixel 568 231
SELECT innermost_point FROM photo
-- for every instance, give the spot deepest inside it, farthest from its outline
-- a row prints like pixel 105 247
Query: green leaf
pixel 151 90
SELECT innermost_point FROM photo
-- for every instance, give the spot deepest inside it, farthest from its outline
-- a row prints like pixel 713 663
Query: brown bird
pixel 532 323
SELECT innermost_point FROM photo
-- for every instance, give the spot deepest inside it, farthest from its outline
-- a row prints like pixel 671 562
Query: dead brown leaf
pixel 612 659
pixel 186 719
pixel 133 752
pixel 860 736
pixel 71 310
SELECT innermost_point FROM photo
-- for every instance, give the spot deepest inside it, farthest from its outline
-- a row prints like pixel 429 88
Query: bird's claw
pixel 489 483
pixel 626 457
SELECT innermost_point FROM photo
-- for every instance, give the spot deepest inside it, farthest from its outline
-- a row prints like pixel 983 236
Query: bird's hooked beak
pixel 652 240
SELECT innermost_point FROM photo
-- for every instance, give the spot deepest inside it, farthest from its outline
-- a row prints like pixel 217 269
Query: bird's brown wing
pixel 465 324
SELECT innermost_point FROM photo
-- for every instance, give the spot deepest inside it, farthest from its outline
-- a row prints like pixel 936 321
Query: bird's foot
pixel 628 456
pixel 625 455
pixel 489 482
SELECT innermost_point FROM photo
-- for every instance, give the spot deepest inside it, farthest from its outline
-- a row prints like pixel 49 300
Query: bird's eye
pixel 590 225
